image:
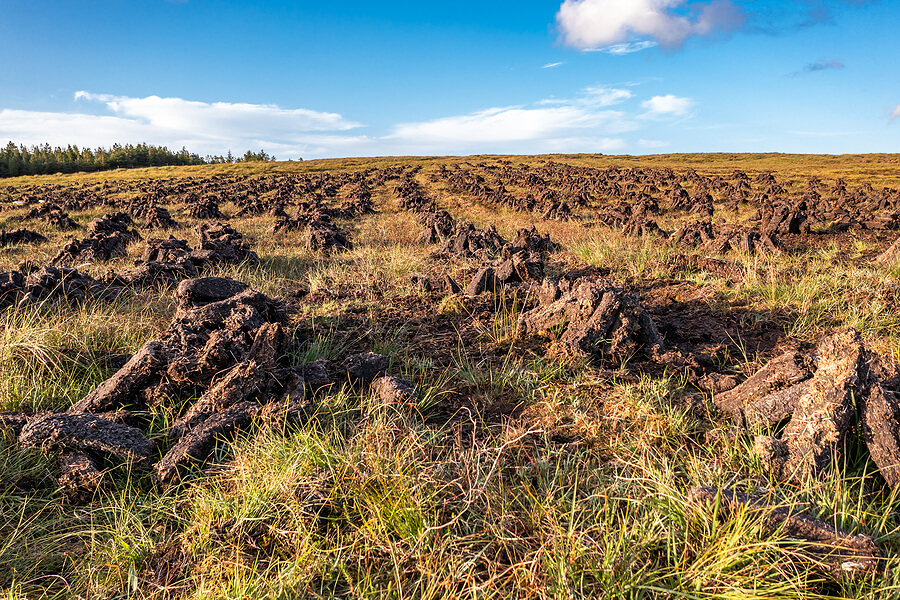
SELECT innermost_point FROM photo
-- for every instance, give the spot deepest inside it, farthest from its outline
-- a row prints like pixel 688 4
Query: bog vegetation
pixel 479 377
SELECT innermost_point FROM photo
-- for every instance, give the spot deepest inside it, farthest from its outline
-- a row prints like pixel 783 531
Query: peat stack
pixel 158 217
pixel 20 236
pixel 436 226
pixel 469 242
pixel 519 262
pixel 53 215
pixel 107 238
pixel 597 317
pixel 220 243
pixel 328 237
pixel 821 395
pixel 203 208
pixel 693 234
pixel 226 345
pixel 165 250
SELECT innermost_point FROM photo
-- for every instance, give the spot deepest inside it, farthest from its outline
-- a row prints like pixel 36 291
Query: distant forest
pixel 44 160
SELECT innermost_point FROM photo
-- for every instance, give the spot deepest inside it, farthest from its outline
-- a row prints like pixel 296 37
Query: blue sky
pixel 302 79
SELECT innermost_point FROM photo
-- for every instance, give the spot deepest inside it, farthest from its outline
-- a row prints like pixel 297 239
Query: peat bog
pixel 550 376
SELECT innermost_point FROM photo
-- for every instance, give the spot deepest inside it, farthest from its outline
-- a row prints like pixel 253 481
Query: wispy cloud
pixel 501 126
pixel 584 123
pixel 595 96
pixel 601 95
pixel 650 144
pixel 594 24
pixel 822 64
pixel 896 113
pixel 667 106
pixel 553 65
pixel 625 47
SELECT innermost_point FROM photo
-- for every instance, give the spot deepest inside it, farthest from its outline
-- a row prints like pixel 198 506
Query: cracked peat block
pixel 818 394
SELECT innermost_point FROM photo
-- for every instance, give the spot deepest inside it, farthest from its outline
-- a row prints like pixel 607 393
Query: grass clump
pixel 52 355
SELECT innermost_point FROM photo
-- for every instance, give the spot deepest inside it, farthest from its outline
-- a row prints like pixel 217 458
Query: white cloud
pixel 592 24
pixel 236 118
pixel 652 143
pixel 668 105
pixel 508 124
pixel 204 128
pixel 896 113
pixel 32 127
pixel 553 65
pixel 580 124
pixel 596 96
pixel 591 121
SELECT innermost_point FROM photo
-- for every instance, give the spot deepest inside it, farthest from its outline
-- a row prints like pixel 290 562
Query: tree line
pixel 46 160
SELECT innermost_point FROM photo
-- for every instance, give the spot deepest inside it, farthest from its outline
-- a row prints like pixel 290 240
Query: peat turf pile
pixel 52 215
pixel 821 396
pixel 325 236
pixel 49 283
pixel 521 262
pixel 150 274
pixel 217 243
pixel 467 241
pixel 164 262
pixel 202 208
pixel 782 216
pixel 437 226
pixel 722 239
pixel 320 233
pixel 107 238
pixel 153 215
pixel 226 347
pixel 593 317
pixel 20 236
pixel 634 220
pixel 159 217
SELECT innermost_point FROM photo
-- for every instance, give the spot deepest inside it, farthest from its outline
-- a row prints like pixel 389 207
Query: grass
pixel 51 355
pixel 517 474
